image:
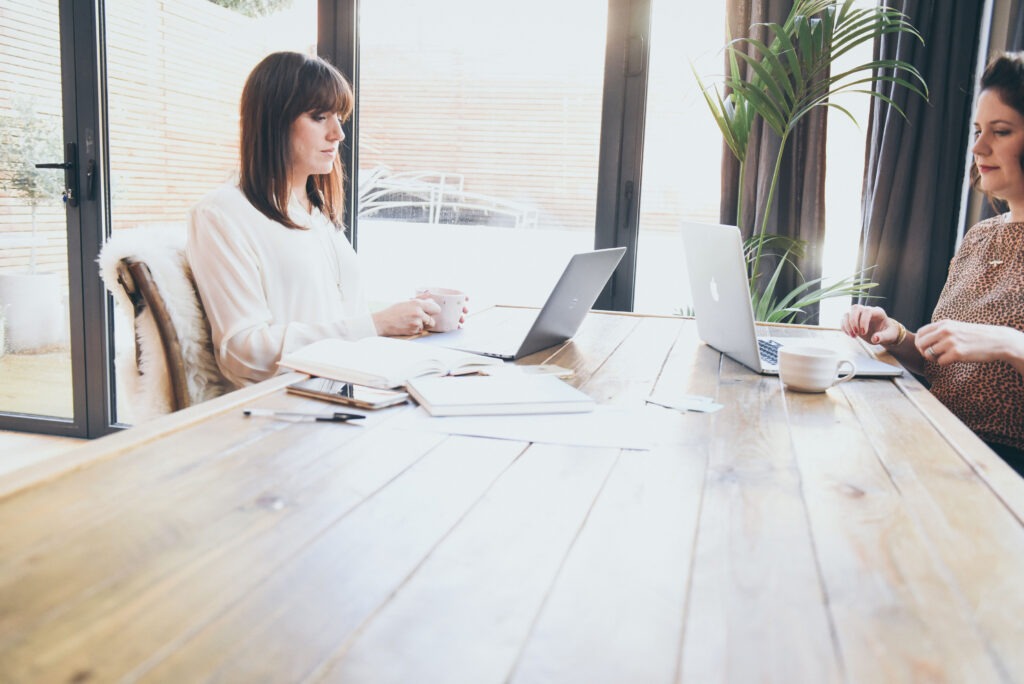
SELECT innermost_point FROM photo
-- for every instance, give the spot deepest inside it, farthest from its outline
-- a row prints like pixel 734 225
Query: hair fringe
pixel 280 89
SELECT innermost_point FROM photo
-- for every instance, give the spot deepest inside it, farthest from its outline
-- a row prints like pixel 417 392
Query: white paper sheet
pixel 606 426
pixel 685 402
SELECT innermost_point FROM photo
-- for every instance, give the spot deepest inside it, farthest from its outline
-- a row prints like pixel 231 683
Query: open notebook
pixel 381 362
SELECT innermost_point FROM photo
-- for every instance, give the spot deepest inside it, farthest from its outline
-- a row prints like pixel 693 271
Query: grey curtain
pixel 914 168
pixel 799 207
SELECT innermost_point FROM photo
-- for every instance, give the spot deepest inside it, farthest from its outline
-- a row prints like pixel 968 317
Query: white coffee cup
pixel 808 368
pixel 451 302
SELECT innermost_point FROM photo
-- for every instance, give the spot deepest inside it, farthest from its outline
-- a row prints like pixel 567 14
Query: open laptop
pixel 721 303
pixel 521 332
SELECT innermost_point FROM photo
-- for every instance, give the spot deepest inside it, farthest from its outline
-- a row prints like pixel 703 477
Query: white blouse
pixel 268 289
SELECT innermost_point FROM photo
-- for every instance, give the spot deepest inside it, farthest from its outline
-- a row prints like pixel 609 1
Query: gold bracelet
pixel 900 336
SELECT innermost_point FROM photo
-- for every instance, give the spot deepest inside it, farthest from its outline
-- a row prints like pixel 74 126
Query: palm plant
pixel 782 80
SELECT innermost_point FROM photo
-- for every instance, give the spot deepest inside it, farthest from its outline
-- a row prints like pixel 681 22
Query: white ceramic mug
pixel 807 368
pixel 451 302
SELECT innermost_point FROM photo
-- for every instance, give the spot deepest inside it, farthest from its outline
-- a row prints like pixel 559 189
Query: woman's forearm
pixel 906 353
pixel 1014 352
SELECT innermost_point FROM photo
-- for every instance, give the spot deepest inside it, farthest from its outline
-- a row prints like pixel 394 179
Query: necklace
pixel 1004 240
pixel 324 233
pixel 331 252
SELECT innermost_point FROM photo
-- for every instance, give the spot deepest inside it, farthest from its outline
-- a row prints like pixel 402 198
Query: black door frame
pixel 81 68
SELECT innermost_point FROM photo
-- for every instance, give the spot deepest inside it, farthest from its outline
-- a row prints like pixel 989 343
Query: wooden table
pixel 861 535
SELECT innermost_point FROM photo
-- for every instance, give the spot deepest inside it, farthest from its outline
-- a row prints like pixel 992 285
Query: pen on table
pixel 336 417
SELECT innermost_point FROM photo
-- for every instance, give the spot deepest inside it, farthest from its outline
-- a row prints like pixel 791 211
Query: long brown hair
pixel 280 89
pixel 1005 76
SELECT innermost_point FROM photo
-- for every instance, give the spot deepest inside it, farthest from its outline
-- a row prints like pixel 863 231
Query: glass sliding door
pixel 35 345
pixel 478 143
pixel 175 71
pixel 682 148
pixel 683 154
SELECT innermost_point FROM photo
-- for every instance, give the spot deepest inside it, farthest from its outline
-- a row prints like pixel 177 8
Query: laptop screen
pixel 720 291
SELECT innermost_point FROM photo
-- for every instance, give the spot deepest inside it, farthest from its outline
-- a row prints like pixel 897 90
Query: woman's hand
pixel 871 324
pixel 946 342
pixel 410 317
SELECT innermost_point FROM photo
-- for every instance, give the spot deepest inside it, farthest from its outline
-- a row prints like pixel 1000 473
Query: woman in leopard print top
pixel 972 352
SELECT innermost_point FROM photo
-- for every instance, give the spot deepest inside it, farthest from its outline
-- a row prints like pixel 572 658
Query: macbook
pixel 721 302
pixel 520 332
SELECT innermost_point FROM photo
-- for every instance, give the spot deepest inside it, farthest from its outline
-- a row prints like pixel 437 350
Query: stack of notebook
pixel 503 394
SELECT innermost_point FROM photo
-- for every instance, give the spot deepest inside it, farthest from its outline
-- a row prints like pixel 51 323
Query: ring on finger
pixel 931 353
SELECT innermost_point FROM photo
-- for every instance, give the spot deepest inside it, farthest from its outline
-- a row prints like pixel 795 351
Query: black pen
pixel 336 417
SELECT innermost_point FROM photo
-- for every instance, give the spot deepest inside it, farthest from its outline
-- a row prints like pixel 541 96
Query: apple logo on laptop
pixel 713 286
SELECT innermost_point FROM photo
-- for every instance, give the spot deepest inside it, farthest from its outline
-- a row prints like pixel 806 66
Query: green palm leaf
pixel 783 78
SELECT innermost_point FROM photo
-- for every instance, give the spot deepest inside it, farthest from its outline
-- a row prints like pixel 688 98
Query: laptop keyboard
pixel 769 350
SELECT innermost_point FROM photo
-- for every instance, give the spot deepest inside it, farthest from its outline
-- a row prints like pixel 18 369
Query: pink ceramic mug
pixel 451 302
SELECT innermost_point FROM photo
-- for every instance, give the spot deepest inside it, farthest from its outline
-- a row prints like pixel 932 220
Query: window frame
pixel 617 217
pixel 90 326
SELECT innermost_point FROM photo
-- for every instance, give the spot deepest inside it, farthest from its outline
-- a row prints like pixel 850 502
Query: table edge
pixel 111 445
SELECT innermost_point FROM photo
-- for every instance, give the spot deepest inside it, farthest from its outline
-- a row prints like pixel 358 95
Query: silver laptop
pixel 521 332
pixel 721 302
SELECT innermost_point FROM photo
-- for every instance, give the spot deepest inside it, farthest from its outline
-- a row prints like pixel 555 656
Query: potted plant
pixel 780 81
pixel 31 301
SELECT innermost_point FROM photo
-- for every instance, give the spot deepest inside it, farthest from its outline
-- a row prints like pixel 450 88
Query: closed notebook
pixel 381 362
pixel 487 395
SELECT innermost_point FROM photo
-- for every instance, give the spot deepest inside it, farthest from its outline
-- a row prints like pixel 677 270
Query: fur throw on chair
pixel 141 366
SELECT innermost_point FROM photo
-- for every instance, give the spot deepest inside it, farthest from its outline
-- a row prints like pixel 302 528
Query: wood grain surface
pixel 858 535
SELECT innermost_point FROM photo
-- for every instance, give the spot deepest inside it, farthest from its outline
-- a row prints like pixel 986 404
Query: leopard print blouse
pixel 985 285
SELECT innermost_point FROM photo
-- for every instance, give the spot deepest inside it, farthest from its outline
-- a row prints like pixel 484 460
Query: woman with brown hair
pixel 972 353
pixel 271 262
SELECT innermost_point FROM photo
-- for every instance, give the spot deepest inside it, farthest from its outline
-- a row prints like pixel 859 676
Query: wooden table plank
pixel 971 531
pixel 288 625
pixel 178 562
pixel 78 530
pixel 630 372
pixel 858 535
pixel 616 611
pixel 691 366
pixel 223 440
pixel 122 442
pixel 896 615
pixel 599 336
pixel 1004 480
pixel 755 592
pixel 470 606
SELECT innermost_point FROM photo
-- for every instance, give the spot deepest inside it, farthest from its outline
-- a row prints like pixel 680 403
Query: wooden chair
pixel 173 365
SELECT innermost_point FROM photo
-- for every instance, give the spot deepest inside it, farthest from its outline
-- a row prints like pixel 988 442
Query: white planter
pixel 33 310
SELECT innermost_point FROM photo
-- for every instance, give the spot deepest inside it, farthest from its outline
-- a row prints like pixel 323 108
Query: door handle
pixel 90 180
pixel 69 165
